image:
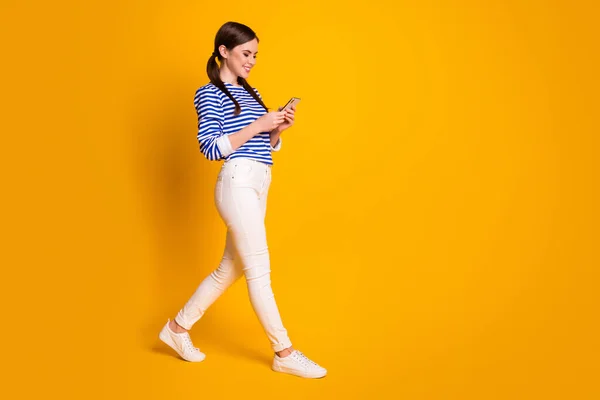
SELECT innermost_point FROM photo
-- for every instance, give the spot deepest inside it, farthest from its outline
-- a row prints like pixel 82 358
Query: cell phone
pixel 293 101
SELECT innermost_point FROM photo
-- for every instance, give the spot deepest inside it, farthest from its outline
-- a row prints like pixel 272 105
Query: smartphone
pixel 293 101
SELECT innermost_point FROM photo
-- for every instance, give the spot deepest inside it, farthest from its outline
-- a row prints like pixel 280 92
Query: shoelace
pixel 188 343
pixel 305 360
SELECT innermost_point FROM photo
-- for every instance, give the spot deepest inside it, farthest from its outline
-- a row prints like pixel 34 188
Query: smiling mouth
pixel 247 69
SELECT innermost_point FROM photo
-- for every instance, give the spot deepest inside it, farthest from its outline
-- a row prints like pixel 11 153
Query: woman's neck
pixel 229 77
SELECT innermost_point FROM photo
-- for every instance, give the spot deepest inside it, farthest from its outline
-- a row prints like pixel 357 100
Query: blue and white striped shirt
pixel 216 121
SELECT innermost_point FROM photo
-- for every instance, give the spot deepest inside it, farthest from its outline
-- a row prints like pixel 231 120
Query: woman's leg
pixel 263 208
pixel 242 208
pixel 174 333
pixel 211 288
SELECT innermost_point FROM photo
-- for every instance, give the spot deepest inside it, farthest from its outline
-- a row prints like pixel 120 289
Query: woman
pixel 234 124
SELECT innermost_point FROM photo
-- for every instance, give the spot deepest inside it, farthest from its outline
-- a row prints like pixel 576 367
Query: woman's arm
pixel 238 139
pixel 210 124
pixel 275 139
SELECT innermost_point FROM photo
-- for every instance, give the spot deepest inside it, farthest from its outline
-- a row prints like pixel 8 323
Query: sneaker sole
pixel 164 336
pixel 298 373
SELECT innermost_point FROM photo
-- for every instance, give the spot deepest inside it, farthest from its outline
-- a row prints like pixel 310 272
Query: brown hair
pixel 230 35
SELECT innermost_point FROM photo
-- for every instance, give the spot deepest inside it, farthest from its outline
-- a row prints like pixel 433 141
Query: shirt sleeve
pixel 211 119
pixel 277 145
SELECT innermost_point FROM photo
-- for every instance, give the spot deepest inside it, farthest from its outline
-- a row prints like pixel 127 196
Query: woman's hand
pixel 290 114
pixel 270 121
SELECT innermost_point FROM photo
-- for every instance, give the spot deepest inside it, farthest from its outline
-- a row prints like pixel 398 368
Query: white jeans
pixel 241 198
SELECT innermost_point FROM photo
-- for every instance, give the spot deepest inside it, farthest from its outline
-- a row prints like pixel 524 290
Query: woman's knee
pixel 226 273
pixel 258 273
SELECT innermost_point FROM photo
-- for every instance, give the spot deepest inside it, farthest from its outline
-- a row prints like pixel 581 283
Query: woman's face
pixel 242 58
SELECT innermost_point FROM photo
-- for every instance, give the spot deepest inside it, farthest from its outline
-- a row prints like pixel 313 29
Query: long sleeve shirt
pixel 216 121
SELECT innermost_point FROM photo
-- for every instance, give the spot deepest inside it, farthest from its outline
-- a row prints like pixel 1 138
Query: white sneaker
pixel 298 364
pixel 181 343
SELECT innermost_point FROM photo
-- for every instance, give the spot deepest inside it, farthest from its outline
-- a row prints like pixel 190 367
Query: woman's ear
pixel 223 51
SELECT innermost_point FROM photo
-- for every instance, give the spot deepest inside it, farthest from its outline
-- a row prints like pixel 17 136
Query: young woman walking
pixel 235 125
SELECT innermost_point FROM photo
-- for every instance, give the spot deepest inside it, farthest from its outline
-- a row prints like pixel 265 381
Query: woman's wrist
pixel 275 132
pixel 274 136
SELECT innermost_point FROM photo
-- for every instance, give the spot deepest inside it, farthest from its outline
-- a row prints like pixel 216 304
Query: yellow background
pixel 433 218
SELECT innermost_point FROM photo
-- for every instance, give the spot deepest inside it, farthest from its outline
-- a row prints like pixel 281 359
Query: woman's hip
pixel 244 173
pixel 242 189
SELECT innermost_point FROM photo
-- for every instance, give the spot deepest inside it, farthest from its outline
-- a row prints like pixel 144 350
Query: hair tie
pixel 215 54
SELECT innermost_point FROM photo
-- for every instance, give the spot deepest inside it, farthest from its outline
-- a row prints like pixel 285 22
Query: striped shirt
pixel 216 121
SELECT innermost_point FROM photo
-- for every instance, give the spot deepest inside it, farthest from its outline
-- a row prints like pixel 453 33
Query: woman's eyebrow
pixel 250 51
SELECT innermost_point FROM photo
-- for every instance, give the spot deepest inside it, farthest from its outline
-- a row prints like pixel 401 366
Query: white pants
pixel 241 198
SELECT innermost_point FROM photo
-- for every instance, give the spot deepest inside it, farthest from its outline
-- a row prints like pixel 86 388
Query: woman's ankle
pixel 285 352
pixel 175 327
